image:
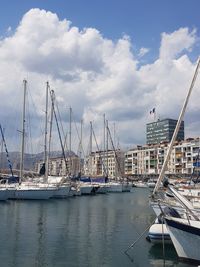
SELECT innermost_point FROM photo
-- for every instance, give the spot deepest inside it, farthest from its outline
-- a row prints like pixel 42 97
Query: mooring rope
pixel 133 244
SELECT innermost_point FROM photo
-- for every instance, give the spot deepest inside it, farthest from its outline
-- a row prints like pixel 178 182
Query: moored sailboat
pixel 184 232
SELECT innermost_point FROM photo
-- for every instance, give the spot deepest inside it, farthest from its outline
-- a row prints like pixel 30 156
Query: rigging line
pixel 116 156
pixel 141 235
pixel 5 146
pixel 35 108
pixel 62 147
pixel 104 168
pixel 29 129
pixel 80 144
pixel 59 116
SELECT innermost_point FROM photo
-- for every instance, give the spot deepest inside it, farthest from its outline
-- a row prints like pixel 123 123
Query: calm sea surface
pixel 80 231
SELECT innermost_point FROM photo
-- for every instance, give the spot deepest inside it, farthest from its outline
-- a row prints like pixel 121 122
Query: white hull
pixel 74 192
pixel 62 191
pixel 114 187
pixel 5 193
pixel 33 193
pixel 151 184
pixel 102 188
pixel 186 238
pixel 140 185
pixel 126 187
pixel 86 189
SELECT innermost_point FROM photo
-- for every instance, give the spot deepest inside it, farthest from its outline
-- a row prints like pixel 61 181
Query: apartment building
pixel 148 159
pixel 101 163
pixel 58 167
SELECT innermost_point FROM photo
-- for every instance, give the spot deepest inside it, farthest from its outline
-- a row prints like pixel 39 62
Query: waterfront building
pixel 148 159
pixel 109 163
pixel 58 167
pixel 162 131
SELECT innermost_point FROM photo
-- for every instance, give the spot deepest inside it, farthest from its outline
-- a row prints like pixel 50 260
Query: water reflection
pixel 82 231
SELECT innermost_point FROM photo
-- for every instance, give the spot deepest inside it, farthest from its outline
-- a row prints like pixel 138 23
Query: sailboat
pixel 184 231
pixel 60 185
pixel 63 186
pixel 26 190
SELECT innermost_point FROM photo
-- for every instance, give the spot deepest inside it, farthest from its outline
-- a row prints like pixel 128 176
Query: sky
pixel 118 58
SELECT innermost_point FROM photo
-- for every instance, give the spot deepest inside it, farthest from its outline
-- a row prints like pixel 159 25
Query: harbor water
pixel 81 231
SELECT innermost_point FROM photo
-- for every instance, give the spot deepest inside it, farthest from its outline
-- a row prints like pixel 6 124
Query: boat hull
pixel 126 187
pixel 114 188
pixel 186 239
pixel 31 193
pixel 62 192
pixel 86 189
pixel 5 194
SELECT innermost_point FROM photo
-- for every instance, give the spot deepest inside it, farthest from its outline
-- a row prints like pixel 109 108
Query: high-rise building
pixel 162 131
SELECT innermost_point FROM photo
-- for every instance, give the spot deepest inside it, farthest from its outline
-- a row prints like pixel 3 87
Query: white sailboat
pixel 24 190
pixel 60 186
pixel 184 232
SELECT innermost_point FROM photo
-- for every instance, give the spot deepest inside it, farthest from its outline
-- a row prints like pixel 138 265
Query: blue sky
pixel 93 65
pixel 142 20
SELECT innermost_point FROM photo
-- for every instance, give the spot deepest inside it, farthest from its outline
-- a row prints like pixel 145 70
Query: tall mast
pixel 2 154
pixel 52 94
pixel 90 137
pixel 7 155
pixel 45 133
pixel 50 135
pixel 81 140
pixel 107 148
pixel 104 139
pixel 23 133
pixel 160 178
pixel 70 139
pixel 90 149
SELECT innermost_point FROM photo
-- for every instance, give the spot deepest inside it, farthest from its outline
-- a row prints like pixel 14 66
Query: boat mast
pixel 80 152
pixel 52 94
pixel 107 147
pixel 104 141
pixel 45 134
pixel 5 146
pixel 23 134
pixel 90 148
pixel 70 140
pixel 160 178
pixel 50 135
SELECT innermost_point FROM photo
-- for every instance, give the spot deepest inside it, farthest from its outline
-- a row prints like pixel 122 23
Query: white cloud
pixel 143 51
pixel 94 75
pixel 177 42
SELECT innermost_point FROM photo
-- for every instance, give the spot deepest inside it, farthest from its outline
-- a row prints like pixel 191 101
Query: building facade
pixel 148 159
pixel 162 131
pixel 58 167
pixel 109 163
